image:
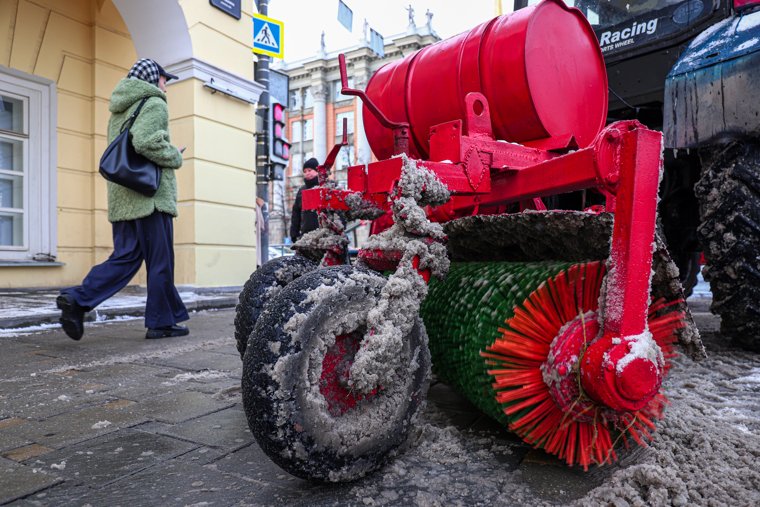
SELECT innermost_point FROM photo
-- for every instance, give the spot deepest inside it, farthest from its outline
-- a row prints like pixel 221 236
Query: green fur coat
pixel 150 138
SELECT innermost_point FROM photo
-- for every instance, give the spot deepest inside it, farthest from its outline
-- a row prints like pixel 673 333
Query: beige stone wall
pixel 218 180
pixel 85 47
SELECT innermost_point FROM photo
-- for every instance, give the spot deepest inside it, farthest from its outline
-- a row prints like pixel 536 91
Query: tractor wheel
pixel 729 193
pixel 295 392
pixel 263 285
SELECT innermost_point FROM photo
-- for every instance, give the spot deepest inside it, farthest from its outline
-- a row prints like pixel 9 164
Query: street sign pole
pixel 262 149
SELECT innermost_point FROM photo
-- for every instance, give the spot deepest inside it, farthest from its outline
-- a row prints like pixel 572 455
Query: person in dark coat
pixel 303 221
pixel 142 226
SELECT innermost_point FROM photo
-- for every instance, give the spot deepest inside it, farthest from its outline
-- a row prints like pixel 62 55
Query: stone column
pixel 363 151
pixel 319 92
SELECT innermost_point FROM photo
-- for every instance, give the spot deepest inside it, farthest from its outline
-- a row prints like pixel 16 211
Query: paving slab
pixel 253 464
pixel 273 483
pixel 211 383
pixel 227 429
pixel 18 481
pixel 112 457
pixel 172 483
pixel 203 455
pixel 199 360
pixel 8 442
pixel 62 430
pixel 181 407
pixel 39 401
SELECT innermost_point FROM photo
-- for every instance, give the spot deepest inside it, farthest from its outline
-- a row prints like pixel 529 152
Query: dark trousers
pixel 150 239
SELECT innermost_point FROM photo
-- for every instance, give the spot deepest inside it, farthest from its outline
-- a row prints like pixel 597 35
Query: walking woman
pixel 142 226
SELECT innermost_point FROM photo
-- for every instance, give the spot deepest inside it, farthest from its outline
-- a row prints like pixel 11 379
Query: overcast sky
pixel 306 19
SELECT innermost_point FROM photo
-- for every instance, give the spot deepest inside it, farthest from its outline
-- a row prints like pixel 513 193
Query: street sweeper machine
pixel 514 249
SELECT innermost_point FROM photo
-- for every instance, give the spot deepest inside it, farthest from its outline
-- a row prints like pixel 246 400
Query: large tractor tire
pixel 264 284
pixel 729 194
pixel 299 407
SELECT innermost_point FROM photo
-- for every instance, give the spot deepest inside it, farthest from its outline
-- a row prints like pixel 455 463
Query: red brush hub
pixel 560 370
pixel 615 373
pixel 336 367
pixel 611 374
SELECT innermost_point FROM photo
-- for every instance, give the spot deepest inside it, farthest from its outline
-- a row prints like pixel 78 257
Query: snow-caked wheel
pixel 729 194
pixel 262 286
pixel 296 390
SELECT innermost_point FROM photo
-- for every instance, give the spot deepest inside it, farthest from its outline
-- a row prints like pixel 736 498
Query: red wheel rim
pixel 336 365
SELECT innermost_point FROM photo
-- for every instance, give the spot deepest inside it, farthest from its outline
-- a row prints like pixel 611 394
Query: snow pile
pixel 707 449
pixel 705 452
pixel 397 310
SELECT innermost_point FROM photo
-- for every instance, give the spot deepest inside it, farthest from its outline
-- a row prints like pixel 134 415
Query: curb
pixel 110 313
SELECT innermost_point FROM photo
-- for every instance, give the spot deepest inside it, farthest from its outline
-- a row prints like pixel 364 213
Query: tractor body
pixel 558 322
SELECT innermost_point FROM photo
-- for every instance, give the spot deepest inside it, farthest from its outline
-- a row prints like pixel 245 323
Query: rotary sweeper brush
pixel 558 323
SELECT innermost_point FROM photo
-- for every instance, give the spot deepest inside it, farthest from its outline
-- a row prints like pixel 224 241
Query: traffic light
pixel 279 146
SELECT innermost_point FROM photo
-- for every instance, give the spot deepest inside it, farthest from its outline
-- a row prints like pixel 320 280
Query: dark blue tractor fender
pixel 712 94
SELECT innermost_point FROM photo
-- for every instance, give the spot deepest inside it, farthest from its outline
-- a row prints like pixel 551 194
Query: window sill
pixel 30 264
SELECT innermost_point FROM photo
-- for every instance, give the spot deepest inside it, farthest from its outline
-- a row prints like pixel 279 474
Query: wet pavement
pixel 119 420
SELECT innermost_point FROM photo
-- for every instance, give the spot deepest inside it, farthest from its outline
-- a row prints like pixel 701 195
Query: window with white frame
pixel 294 100
pixel 297 160
pixel 346 158
pixel 301 131
pixel 27 168
pixel 308 130
pixel 308 99
pixel 295 132
pixel 337 86
pixel 348 115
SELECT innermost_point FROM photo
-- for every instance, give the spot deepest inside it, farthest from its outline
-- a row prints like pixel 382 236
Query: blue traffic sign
pixel 268 36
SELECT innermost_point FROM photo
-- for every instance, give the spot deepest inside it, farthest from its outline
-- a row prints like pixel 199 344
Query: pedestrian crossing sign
pixel 268 36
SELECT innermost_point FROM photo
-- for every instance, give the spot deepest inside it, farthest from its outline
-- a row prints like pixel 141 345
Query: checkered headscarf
pixel 147 70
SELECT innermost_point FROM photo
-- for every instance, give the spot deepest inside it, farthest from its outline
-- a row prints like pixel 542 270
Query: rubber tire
pixel 729 194
pixel 282 402
pixel 264 284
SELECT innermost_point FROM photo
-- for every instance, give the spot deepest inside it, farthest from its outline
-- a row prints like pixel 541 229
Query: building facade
pixel 59 62
pixel 316 110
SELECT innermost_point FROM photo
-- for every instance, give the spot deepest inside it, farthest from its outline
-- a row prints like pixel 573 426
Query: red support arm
pixel 624 368
pixel 633 231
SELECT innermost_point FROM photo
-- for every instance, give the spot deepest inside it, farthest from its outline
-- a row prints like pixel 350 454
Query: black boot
pixel 72 316
pixel 167 332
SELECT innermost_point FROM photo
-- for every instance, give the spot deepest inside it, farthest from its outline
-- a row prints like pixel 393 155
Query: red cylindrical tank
pixel 540 69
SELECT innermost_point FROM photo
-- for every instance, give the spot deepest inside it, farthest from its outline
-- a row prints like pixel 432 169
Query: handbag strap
pixel 128 124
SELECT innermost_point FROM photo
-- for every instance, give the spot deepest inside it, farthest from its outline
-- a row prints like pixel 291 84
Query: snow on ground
pixel 707 449
pixel 29 330
pixel 21 304
pixel 702 289
pixel 705 452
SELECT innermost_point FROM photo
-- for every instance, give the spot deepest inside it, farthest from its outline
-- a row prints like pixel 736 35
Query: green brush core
pixel 463 314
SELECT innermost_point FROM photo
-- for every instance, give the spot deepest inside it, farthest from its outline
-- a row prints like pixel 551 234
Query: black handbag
pixel 122 165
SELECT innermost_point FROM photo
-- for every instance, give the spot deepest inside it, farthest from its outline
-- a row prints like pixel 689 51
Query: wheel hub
pixel 336 367
pixel 561 369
